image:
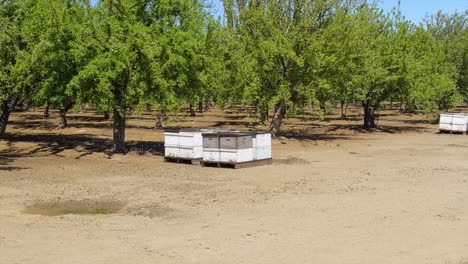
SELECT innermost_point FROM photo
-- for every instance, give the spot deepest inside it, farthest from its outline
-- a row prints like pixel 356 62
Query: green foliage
pixel 52 26
pixel 451 30
pixel 133 55
pixel 18 79
pixel 275 52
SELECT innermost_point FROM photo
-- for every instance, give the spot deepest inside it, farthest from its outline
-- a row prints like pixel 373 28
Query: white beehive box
pixel 232 147
pixel 211 152
pixel 171 144
pixel 262 146
pixel 459 123
pixel 453 122
pixel 190 144
pixel 184 144
pixel 236 147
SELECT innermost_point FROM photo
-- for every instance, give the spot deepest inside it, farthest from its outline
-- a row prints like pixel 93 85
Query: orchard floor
pixel 334 194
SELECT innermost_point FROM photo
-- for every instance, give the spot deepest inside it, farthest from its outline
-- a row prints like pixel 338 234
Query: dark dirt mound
pixel 83 207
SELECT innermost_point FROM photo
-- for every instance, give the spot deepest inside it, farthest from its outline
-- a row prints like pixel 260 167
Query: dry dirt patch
pixel 291 161
pixel 150 210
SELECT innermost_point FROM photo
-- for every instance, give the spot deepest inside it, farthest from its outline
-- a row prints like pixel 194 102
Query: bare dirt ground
pixel 335 194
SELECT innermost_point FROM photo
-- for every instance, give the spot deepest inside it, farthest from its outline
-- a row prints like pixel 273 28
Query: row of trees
pixel 282 56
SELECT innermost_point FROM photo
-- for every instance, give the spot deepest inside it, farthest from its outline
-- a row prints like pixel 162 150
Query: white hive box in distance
pixel 453 122
pixel 459 123
pixel 184 143
pixel 211 152
pixel 262 146
pixel 236 147
pixel 171 144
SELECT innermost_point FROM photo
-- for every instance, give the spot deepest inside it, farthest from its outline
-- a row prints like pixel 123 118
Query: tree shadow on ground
pixel 84 118
pixel 308 136
pixel 234 117
pixel 7 157
pixel 33 125
pixel 419 121
pixel 348 118
pixel 55 144
pixel 246 124
pixel 384 129
pixel 17 124
pixel 33 116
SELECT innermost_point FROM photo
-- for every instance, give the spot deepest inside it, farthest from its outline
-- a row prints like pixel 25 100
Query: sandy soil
pixel 335 194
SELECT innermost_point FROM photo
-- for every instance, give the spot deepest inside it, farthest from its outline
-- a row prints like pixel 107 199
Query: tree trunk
pixel 159 121
pixel 369 116
pixel 192 110
pixel 344 110
pixel 6 110
pixel 402 108
pixel 200 107
pixel 63 123
pixel 262 115
pixel 323 108
pixel 277 120
pixel 106 115
pixel 207 106
pixel 63 119
pixel 46 111
pixel 119 131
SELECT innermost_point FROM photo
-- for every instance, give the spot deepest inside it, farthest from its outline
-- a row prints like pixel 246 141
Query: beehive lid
pixel 231 134
pixel 188 129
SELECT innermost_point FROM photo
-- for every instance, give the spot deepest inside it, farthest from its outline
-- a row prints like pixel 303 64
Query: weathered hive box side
pixel 459 123
pixel 263 153
pixel 190 139
pixel 236 148
pixel 453 122
pixel 184 143
pixel 262 146
pixel 191 144
pixel 236 155
pixel 191 152
pixel 211 147
pixel 211 155
pixel 263 139
pixel 171 144
pixel 445 123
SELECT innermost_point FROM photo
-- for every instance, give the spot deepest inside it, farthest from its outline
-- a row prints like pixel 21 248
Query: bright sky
pixel 413 10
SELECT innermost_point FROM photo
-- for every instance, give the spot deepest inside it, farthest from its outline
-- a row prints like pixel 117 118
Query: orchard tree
pixel 338 69
pixel 55 24
pixel 116 47
pixel 17 59
pixel 191 63
pixel 432 77
pixel 182 33
pixel 130 52
pixel 451 30
pixel 276 52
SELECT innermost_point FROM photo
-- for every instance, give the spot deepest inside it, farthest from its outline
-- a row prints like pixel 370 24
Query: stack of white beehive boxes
pixel 236 147
pixel 184 144
pixel 453 122
pixel 216 146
